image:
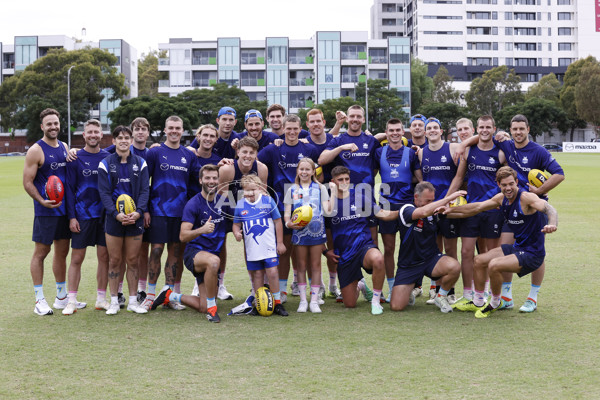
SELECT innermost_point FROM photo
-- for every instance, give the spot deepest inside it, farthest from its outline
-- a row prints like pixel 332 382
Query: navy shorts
pixel 262 264
pixel 390 227
pixel 47 229
pixel 406 275
pixel 449 227
pixel 188 260
pixel 487 225
pixel 164 230
pixel 91 233
pixel 351 271
pixel 113 227
pixel 527 261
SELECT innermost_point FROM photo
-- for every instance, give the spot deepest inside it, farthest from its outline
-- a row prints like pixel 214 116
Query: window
pixel 204 57
pixel 389 22
pixel 229 55
pixel 399 54
pixel 442 17
pixel 480 30
pixel 525 2
pixel 525 31
pixel 329 74
pixel 203 78
pixel 399 77
pixel 180 78
pixel 564 47
pixel 479 46
pixel 480 61
pixel 378 74
pixel 353 52
pixel 301 78
pixel 442 32
pixel 549 46
pixel 442 1
pixel 253 78
pixel 378 56
pixel 252 57
pixel 508 46
pixel 257 96
pixel 563 2
pixel 562 16
pixel 443 48
pixel 352 74
pixel 277 77
pixel 478 15
pixel 529 16
pixel 301 99
pixel 508 31
pixel 232 78
pixel 564 62
pixel 301 56
pixel 388 7
pixel 565 31
pixel 528 77
pixel 508 62
pixel 329 50
pixel 525 46
pixel 525 62
pixel 277 55
pixel 508 15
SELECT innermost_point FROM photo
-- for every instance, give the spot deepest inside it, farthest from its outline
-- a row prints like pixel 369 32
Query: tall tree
pixel 547 88
pixel 443 91
pixel 567 93
pixel 384 103
pixel 543 115
pixel 421 86
pixel 148 74
pixel 496 89
pixel 44 84
pixel 587 94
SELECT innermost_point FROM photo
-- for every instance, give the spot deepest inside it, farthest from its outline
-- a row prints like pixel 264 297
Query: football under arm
pixel 468 210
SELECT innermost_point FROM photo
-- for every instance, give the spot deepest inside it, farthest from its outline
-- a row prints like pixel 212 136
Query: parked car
pixel 553 147
pixel 595 140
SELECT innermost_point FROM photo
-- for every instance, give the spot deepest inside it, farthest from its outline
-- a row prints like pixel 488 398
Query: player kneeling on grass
pixel 530 218
pixel 353 246
pixel 419 253
pixel 203 228
pixel 258 222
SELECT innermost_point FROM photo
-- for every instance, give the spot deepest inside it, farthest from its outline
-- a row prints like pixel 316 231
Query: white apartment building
pixel 294 73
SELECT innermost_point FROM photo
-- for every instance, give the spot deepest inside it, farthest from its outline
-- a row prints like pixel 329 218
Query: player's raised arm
pixel 430 209
pixel 534 203
pixel 471 209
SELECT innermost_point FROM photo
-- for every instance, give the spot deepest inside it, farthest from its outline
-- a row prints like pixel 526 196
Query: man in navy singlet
pixel 525 215
pixel 45 158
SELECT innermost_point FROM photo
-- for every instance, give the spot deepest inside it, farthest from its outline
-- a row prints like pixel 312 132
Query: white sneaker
pixel 113 309
pixel 60 304
pixel 136 308
pixel 223 294
pixel 295 289
pixel 432 297
pixel 411 298
pixel 442 303
pixel 314 307
pixel 303 306
pixel 451 299
pixel 42 308
pixel 102 305
pixel 417 291
pixel 196 291
pixel 70 309
pixel 173 305
pixel 81 304
pixel 147 304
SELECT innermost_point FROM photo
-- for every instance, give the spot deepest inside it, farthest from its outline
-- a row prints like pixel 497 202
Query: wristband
pixel 324 252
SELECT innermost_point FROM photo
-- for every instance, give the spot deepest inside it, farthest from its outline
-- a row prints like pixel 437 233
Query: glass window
pixel 232 78
pixel 352 74
pixel 353 52
pixel 253 78
pixel 329 49
pixel 301 78
pixel 564 32
pixel 564 16
pixel 277 55
pixel 564 62
pixel 277 77
pixel 204 57
pixel 301 56
pixel 253 57
pixel 378 56
pixel 564 47
pixel 229 55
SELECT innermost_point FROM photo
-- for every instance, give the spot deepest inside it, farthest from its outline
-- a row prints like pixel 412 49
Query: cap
pixel 228 111
pixel 417 117
pixel 252 113
pixel 433 119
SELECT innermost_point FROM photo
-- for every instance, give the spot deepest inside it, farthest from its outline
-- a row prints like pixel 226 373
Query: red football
pixel 55 189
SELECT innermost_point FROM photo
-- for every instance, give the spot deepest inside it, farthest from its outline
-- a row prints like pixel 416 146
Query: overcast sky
pixel 144 24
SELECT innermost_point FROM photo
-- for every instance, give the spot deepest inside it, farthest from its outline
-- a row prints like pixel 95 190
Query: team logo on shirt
pixel 300 156
pixel 525 160
pixel 245 212
pixel 353 208
pixel 164 166
pixel 282 164
pixel 515 214
pixel 135 168
pixel 365 146
pixel 86 172
pixel 394 173
pixel 113 167
pixel 443 159
pixel 183 160
pixel 472 167
pixel 425 169
pixel 491 160
pixel 346 155
pixel 335 220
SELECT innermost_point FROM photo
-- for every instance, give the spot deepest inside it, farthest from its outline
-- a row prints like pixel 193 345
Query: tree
pixel 384 103
pixel 443 91
pixel 496 89
pixel 44 84
pixel 587 94
pixel 421 88
pixel 567 93
pixel 547 88
pixel 542 114
pixel 447 113
pixel 148 74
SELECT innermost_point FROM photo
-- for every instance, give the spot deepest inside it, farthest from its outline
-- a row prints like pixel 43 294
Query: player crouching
pixel 419 253
pixel 530 218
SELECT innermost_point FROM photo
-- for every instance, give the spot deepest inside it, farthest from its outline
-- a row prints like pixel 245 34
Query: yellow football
pixel 318 171
pixel 537 177
pixel 265 304
pixel 302 215
pixel 459 201
pixel 125 204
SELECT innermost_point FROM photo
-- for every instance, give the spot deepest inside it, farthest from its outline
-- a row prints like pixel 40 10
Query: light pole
pixel 366 99
pixel 69 104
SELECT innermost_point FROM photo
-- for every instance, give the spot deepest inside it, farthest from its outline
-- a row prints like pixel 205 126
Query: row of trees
pixel 548 104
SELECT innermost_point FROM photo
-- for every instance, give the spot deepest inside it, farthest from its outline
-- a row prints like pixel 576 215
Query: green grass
pixel 419 353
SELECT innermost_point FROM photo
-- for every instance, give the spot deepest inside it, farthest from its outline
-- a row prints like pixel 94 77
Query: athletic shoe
pixel 303 306
pixel 322 294
pixel 411 298
pixel 141 296
pixel 334 292
pixel 432 296
pixel 243 309
pixel 295 289
pixel 314 307
pixel 376 309
pixel 443 304
pixel 485 312
pixel 451 299
pixel 70 309
pixel 223 294
pixel 113 309
pixel 161 298
pixel 506 305
pixel 60 304
pixel 366 292
pixel 196 291
pixel 136 308
pixel 121 298
pixel 147 304
pixel 279 310
pixel 102 305
pixel 283 297
pixel 418 291
pixel 175 306
pixel 42 308
pixel 529 306
pixel 389 297
pixel 213 317
pixel 465 305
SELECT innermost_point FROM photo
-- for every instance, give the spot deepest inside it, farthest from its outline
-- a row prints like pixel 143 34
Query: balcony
pixel 204 60
pixel 301 60
pixel 8 64
pixel 302 82
pixel 163 83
